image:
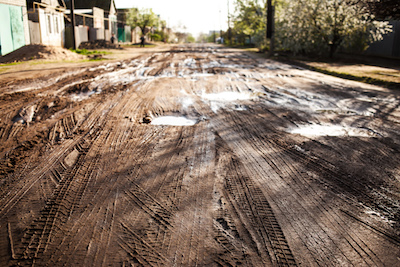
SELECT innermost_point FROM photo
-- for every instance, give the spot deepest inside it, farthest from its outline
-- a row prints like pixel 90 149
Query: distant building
pixel 89 24
pixel 46 22
pixel 109 20
pixel 14 29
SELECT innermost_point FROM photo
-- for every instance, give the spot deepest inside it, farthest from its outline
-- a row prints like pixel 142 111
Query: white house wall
pixel 98 15
pixel 52 28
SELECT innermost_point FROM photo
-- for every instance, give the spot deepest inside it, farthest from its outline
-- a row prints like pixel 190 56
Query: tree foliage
pixel 250 19
pixel 143 18
pixel 316 26
pixel 319 26
pixel 383 9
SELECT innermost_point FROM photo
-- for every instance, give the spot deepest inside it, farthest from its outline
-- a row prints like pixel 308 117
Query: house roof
pixel 53 3
pixel 87 4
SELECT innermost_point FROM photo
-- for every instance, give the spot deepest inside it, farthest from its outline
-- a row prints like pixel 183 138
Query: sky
pixel 197 16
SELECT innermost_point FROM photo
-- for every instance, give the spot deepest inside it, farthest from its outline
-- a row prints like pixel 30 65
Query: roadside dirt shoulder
pixel 367 69
pixel 372 70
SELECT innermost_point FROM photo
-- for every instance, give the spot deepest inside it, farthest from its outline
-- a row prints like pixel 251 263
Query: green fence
pixel 124 34
pixel 12 34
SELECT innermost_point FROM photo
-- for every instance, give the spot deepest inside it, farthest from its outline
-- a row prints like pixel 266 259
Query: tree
pixel 181 36
pixel 190 39
pixel 143 18
pixel 250 19
pixel 314 26
pixel 383 9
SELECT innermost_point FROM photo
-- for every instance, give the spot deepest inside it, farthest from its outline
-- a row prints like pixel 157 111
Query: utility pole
pixel 270 26
pixel 229 27
pixel 73 24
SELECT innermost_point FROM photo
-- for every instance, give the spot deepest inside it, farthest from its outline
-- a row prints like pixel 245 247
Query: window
pixel 49 29
pixel 56 25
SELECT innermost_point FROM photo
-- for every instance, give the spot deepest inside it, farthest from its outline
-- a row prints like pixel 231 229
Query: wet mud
pixel 198 156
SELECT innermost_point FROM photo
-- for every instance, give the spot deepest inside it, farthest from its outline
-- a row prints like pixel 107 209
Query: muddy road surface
pixel 198 156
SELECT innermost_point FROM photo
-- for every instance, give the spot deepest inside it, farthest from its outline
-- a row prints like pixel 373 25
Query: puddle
pixel 314 102
pixel 190 62
pixel 173 121
pixel 227 99
pixel 314 130
pixel 378 216
pixel 25 115
pixel 186 102
pixel 83 95
pixel 299 99
pixel 240 108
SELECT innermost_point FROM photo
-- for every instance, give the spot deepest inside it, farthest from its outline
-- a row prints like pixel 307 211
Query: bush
pixel 156 37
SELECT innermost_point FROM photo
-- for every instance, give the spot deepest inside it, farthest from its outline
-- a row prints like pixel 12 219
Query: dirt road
pixel 199 156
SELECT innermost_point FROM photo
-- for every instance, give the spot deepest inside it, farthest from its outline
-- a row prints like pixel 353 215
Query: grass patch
pixel 10 64
pixel 138 45
pixel 251 49
pixel 94 55
pixel 39 62
pixel 97 59
pixel 86 52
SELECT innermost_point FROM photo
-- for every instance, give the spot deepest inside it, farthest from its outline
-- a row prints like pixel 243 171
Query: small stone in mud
pixel 147 120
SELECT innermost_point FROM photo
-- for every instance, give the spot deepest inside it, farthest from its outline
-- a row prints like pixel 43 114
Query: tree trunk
pixel 332 50
pixel 334 45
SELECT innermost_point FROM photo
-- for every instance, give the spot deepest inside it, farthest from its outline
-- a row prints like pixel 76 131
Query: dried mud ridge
pixel 199 156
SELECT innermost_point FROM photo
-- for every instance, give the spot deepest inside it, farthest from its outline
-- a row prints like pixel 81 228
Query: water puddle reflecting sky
pixel 173 121
pixel 315 130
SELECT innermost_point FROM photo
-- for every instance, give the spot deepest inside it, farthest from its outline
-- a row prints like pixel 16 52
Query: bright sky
pixel 197 16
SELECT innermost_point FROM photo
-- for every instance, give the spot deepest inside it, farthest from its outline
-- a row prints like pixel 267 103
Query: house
pixel 14 29
pixel 125 33
pixel 89 25
pixel 105 20
pixel 46 22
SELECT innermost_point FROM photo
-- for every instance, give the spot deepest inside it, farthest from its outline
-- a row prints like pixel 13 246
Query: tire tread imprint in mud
pixel 253 208
pixel 283 167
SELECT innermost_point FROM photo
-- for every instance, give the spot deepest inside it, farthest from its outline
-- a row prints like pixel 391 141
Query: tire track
pixel 253 208
pixel 57 210
pixel 306 194
pixel 65 199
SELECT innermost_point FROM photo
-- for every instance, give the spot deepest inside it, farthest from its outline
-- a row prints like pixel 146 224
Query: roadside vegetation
pixel 138 45
pixel 91 54
pixel 149 23
pixel 314 34
pixel 155 29
pixel 313 27
pixel 10 64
